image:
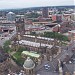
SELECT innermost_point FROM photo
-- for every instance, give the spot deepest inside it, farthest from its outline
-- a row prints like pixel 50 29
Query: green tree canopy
pixel 56 35
pixel 6 46
pixel 32 15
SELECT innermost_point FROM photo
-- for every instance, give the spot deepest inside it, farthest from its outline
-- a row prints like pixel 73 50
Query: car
pixel 47 67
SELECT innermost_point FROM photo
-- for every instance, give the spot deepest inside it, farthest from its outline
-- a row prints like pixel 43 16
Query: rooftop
pixel 29 64
pixel 10 13
pixel 72 31
pixel 32 54
pixel 43 38
pixel 34 44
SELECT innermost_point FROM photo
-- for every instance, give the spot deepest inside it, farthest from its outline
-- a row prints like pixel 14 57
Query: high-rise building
pixel 10 16
pixel 45 12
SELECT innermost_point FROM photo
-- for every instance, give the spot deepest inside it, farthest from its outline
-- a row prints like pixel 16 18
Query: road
pixel 53 63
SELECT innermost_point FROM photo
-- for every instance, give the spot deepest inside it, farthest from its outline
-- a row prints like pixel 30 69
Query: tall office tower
pixel 45 12
pixel 20 27
pixel 10 16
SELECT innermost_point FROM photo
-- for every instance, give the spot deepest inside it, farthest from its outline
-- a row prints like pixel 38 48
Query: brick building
pixel 57 17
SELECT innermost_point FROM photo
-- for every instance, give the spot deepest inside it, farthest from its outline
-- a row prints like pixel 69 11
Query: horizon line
pixel 35 7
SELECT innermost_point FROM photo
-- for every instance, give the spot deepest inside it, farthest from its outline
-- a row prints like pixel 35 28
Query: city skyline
pixel 8 4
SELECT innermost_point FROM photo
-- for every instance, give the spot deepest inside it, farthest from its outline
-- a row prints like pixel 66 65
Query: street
pixel 53 63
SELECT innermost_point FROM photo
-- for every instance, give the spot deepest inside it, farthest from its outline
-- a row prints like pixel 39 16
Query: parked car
pixel 47 67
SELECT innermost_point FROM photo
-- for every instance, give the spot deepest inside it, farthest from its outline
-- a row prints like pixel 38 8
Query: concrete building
pixel 20 16
pixel 10 16
pixel 45 12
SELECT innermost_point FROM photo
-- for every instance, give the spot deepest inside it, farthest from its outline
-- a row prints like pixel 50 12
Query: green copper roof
pixel 32 54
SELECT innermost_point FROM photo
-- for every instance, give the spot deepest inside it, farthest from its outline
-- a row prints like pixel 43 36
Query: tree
pixel 32 15
pixel 6 46
pixel 56 35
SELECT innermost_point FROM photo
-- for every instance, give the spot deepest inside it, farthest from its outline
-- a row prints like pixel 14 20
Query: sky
pixel 7 4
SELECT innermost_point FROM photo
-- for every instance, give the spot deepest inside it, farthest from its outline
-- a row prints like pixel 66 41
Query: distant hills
pixel 34 8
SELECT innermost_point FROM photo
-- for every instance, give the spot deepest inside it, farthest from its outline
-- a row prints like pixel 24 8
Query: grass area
pixel 17 56
pixel 18 59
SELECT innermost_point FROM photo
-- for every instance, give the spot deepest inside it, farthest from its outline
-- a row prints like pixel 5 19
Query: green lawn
pixel 17 55
pixel 18 59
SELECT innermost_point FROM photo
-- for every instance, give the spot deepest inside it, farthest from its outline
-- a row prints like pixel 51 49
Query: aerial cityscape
pixel 37 37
